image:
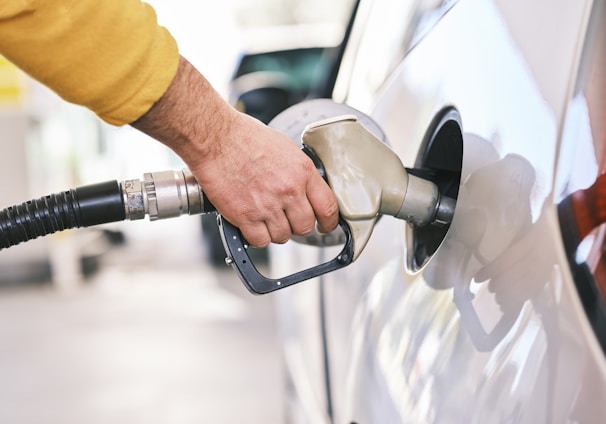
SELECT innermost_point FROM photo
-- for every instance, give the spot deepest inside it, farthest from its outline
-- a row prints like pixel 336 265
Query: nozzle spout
pixel 424 205
pixel 369 179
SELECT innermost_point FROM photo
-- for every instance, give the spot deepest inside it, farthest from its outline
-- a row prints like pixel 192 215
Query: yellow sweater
pixel 108 55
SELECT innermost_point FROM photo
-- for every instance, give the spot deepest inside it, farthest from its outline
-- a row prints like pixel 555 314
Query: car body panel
pixel 491 329
pixel 299 316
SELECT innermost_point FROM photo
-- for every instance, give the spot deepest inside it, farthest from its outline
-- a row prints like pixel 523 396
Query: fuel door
pixel 440 161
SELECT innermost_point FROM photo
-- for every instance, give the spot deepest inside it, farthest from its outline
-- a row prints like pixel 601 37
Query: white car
pixel 500 318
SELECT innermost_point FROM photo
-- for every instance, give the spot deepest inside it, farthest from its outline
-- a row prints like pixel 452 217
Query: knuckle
pixel 329 208
pixel 257 240
pixel 302 228
pixel 262 243
pixel 290 189
pixel 281 239
pixel 253 230
pixel 280 233
pixel 308 166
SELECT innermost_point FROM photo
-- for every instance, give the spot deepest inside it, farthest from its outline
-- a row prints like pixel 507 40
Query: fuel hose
pixel 163 194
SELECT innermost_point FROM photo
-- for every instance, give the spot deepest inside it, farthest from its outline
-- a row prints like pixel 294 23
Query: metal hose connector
pixel 164 194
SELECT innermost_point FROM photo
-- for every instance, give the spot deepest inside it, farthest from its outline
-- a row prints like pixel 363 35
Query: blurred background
pixel 137 322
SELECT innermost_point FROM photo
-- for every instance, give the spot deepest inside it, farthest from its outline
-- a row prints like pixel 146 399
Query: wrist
pixel 188 117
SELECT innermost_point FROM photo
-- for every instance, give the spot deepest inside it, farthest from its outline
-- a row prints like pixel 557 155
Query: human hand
pixel 264 184
pixel 256 177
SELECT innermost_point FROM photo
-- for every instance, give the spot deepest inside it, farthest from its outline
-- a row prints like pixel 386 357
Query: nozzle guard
pixel 237 249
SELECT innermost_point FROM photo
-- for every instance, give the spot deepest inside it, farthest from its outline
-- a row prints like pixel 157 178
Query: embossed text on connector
pixel 134 200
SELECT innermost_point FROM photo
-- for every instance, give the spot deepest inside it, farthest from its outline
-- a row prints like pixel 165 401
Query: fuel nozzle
pixel 369 180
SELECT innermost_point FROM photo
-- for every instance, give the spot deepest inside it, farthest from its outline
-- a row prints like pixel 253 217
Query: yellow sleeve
pixel 108 55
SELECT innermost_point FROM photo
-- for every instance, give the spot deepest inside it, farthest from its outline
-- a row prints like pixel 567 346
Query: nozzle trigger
pixel 237 248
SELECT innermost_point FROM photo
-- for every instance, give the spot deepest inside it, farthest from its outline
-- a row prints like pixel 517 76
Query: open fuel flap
pixel 440 161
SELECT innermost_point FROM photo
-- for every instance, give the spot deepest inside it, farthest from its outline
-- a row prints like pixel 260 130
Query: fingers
pixel 324 203
pixel 256 235
pixel 299 216
pixel 279 229
pixel 299 213
pixel 298 220
pixel 276 228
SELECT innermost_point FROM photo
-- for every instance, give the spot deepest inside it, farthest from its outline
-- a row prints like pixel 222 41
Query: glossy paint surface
pixel 491 330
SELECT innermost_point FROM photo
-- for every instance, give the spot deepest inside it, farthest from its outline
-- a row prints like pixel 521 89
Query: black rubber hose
pixel 80 207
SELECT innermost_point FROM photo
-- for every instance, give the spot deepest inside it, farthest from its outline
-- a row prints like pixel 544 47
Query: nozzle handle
pixel 237 248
